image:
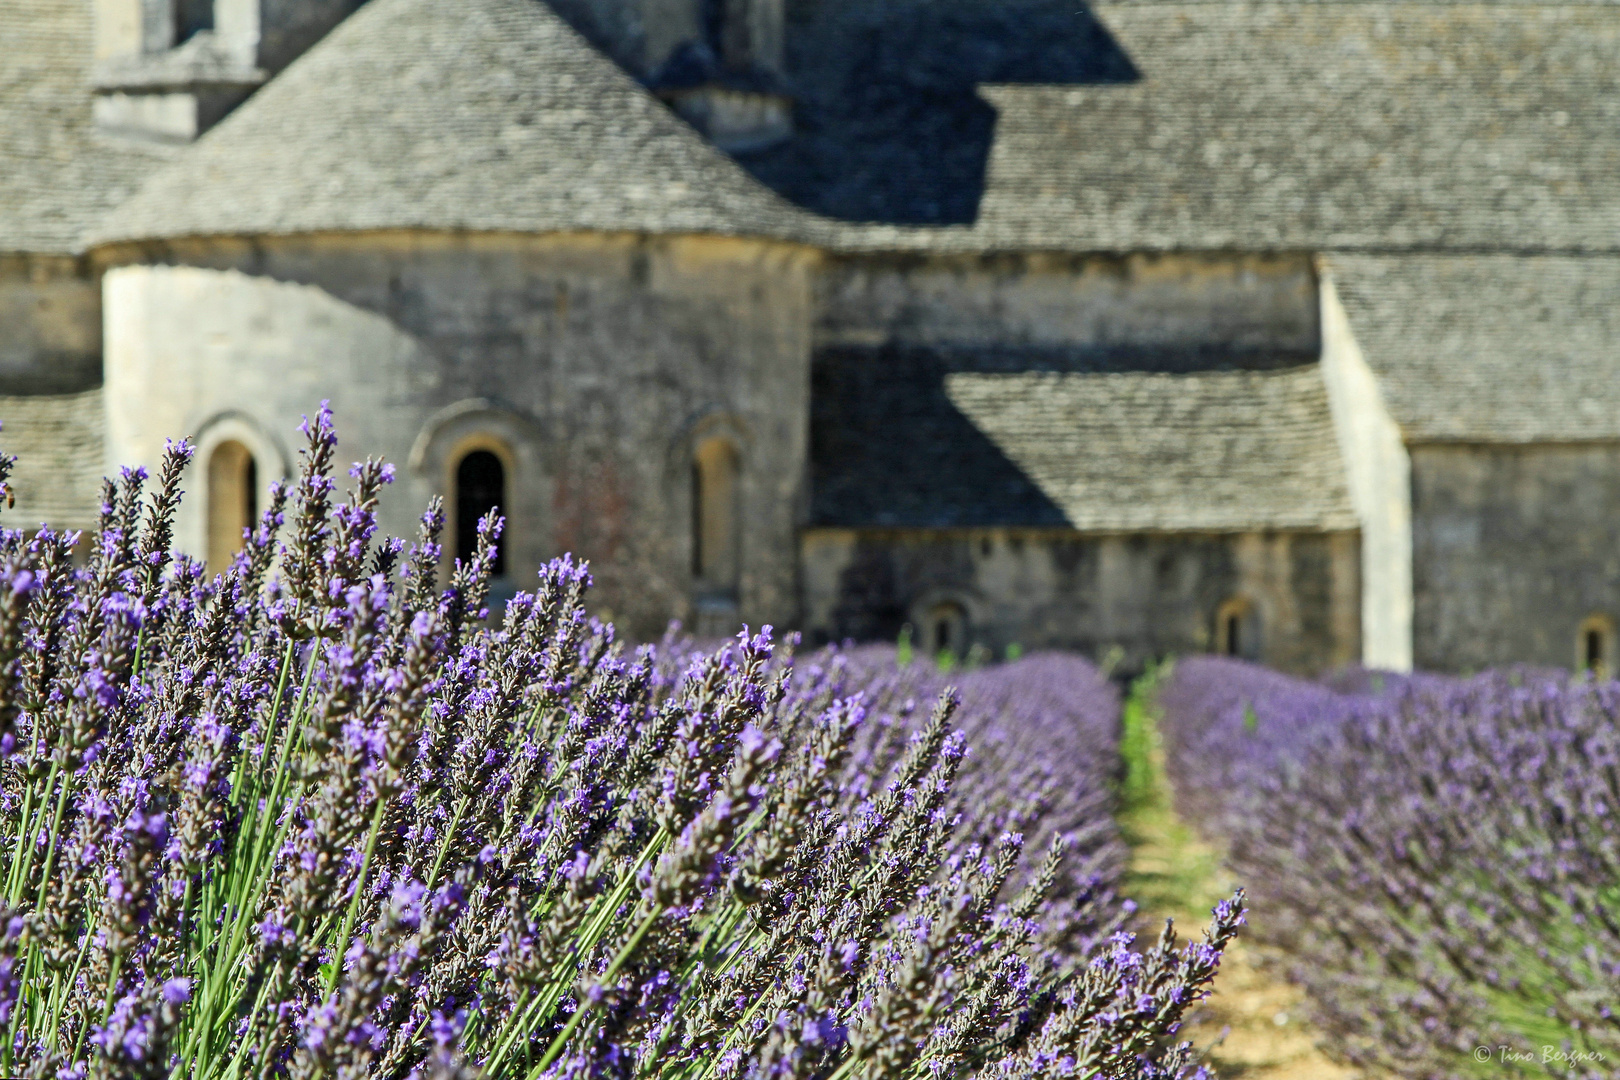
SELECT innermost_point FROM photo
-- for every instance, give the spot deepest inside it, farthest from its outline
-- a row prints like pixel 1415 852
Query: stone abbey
pixel 1281 328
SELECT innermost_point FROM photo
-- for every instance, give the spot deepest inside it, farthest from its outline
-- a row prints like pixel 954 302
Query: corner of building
pixel 1380 476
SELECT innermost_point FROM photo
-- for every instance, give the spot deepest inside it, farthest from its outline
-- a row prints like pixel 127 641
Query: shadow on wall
pixel 888 123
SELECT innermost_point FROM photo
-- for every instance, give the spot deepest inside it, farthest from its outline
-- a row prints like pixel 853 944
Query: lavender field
pixel 1437 860
pixel 317 817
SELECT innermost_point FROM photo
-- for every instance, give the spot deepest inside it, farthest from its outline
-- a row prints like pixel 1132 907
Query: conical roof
pixel 58 175
pixel 477 114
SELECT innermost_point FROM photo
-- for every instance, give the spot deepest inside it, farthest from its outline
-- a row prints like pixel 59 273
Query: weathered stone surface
pixel 1147 595
pixel 1037 314
pixel 57 440
pixel 1506 347
pixel 50 325
pixel 488 115
pixel 1513 547
pixel 593 359
pixel 57 174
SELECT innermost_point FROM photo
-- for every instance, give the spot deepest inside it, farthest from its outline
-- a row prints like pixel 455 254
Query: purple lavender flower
pixel 1436 855
pixel 317 814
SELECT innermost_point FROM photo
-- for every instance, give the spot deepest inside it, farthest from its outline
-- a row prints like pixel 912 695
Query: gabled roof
pixel 1489 348
pixel 1287 124
pixel 911 438
pixel 473 114
pixel 57 174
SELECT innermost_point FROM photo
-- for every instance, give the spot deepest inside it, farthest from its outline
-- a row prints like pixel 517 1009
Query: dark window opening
pixel 1234 635
pixel 1594 650
pixel 480 488
pixel 192 17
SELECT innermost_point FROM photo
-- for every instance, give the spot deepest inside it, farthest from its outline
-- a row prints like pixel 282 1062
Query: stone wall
pixel 1379 470
pixel 1513 547
pixel 1148 595
pixel 50 326
pixel 1167 311
pixel 590 363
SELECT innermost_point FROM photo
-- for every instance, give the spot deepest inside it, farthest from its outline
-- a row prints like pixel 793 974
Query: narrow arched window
pixel 715 532
pixel 1595 646
pixel 233 482
pixel 480 488
pixel 1237 629
pixel 946 630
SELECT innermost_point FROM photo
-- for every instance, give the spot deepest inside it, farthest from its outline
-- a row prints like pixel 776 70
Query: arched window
pixel 480 488
pixel 1237 629
pixel 1595 646
pixel 715 526
pixel 233 484
pixel 945 630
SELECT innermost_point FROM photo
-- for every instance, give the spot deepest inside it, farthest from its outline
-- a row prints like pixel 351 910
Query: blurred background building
pixel 1283 329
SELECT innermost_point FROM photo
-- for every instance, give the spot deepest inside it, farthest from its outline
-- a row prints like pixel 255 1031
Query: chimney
pixel 168 70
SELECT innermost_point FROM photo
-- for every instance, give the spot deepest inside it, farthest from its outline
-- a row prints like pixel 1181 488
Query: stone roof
pixel 971 125
pixel 1216 125
pixel 909 438
pixel 478 114
pixel 1489 348
pixel 57 440
pixel 57 174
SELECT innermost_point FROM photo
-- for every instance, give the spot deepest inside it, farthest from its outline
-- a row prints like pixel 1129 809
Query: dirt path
pixel 1254 1020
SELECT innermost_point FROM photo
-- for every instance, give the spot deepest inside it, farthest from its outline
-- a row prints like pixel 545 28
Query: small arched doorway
pixel 1595 646
pixel 1237 629
pixel 945 630
pixel 232 501
pixel 480 488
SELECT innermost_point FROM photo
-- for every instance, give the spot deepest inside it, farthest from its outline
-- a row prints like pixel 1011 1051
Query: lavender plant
pixel 316 816
pixel 1438 858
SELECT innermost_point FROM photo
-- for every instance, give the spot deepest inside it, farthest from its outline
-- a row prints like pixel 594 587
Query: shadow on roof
pixel 889 448
pixel 888 124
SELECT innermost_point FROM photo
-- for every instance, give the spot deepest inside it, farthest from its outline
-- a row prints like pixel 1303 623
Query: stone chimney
pixel 725 75
pixel 168 70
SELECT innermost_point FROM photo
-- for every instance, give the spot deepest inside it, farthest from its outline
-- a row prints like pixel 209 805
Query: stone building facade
pixel 1278 328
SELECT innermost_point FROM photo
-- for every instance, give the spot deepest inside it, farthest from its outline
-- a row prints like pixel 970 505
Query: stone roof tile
pixel 57 440
pixel 1495 348
pixel 1287 124
pixel 901 439
pixel 478 114
pixel 57 173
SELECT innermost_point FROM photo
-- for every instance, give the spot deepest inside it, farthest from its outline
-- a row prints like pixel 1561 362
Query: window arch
pixel 480 487
pixel 1237 629
pixel 945 629
pixel 1595 646
pixel 716 528
pixel 233 497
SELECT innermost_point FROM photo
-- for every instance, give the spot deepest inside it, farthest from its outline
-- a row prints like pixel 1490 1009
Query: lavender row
pixel 315 817
pixel 1043 734
pixel 1438 858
